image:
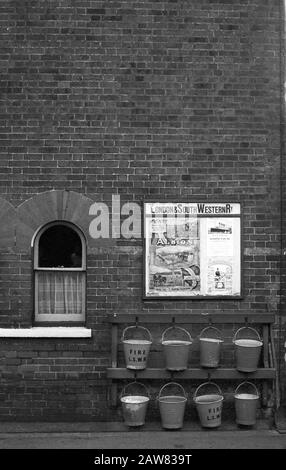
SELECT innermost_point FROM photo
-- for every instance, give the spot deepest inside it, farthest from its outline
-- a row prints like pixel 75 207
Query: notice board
pixel 192 250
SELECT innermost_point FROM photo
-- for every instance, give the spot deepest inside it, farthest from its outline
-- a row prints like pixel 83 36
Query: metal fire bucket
pixel 247 351
pixel 246 405
pixel 172 407
pixel 210 348
pixel 209 407
pixel 176 351
pixel 134 407
pixel 136 351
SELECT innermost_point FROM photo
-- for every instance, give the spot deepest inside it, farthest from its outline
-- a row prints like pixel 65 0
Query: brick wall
pixel 281 336
pixel 139 98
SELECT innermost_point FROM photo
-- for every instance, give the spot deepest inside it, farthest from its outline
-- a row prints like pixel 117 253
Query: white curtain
pixel 60 292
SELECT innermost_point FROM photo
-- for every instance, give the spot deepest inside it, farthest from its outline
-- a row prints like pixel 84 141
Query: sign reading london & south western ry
pixel 192 250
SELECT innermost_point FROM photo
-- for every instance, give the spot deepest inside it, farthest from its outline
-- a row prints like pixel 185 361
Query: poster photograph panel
pixel 190 252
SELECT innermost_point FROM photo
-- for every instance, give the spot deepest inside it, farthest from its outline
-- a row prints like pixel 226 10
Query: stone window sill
pixel 46 332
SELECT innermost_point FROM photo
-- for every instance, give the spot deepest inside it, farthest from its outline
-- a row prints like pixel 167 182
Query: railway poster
pixel 192 250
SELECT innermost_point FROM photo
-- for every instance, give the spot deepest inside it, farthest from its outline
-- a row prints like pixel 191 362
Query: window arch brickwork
pixel 49 206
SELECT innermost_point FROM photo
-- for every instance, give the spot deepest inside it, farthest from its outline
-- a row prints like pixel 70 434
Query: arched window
pixel 60 273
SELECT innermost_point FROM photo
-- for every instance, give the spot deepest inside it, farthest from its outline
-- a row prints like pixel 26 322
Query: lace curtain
pixel 60 292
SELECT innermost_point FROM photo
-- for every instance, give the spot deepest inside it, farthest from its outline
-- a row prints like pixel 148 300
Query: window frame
pixel 40 318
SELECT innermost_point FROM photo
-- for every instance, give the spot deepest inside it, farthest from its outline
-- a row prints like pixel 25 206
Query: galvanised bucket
pixel 209 407
pixel 134 407
pixel 246 405
pixel 136 351
pixel 247 351
pixel 210 348
pixel 176 351
pixel 172 408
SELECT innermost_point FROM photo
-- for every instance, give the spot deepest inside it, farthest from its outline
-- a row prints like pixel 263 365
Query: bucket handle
pixel 172 383
pixel 137 326
pixel 246 328
pixel 249 383
pixel 132 383
pixel 210 328
pixel 207 383
pixel 178 328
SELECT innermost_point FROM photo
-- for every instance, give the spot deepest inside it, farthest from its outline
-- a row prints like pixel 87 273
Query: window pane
pixel 60 246
pixel 60 293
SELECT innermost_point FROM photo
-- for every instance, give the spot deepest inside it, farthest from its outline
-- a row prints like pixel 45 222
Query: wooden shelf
pixel 226 317
pixel 266 373
pixel 194 373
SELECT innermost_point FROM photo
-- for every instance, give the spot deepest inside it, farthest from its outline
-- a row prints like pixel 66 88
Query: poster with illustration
pixel 220 277
pixel 191 253
pixel 220 237
pixel 174 257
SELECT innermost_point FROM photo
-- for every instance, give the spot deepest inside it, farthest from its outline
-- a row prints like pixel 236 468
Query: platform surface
pixel 117 436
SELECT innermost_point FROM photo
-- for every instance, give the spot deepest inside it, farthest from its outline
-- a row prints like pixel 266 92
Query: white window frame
pixel 64 318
